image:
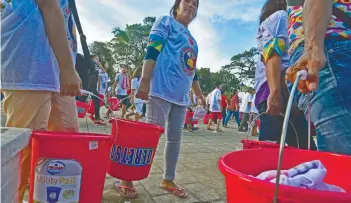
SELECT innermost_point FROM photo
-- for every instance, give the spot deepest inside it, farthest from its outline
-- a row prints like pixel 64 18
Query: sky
pixel 222 28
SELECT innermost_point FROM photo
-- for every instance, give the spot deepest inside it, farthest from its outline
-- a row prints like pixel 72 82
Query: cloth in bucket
pixel 309 175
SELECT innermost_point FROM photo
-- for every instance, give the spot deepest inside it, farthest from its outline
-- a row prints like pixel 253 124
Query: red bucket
pixel 189 115
pixel 241 187
pixel 132 153
pixel 254 144
pixel 82 108
pixel 57 155
pixel 114 103
pixel 207 118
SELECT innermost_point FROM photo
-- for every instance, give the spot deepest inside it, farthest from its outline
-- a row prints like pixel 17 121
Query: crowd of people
pixel 39 79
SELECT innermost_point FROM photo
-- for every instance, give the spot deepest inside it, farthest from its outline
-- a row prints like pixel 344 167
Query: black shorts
pixel 123 99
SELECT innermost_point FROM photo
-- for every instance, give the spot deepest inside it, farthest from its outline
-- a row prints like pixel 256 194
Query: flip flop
pixel 121 189
pixel 178 192
pixel 100 122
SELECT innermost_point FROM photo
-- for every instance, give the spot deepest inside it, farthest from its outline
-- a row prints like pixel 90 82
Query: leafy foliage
pixel 244 64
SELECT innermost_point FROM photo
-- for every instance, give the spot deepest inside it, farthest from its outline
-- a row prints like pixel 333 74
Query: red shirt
pixel 234 101
pixel 223 101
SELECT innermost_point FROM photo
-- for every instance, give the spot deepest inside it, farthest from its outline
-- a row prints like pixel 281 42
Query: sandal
pixel 100 122
pixel 178 192
pixel 124 190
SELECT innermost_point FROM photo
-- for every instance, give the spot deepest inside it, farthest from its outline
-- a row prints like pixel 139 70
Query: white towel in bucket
pixel 309 175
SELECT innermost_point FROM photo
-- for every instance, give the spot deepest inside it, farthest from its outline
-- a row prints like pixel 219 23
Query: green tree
pixel 208 79
pixel 244 64
pixel 129 45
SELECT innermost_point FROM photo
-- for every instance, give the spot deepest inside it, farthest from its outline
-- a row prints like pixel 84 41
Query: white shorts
pixel 138 108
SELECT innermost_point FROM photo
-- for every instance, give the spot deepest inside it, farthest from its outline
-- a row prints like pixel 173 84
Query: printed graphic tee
pixel 175 66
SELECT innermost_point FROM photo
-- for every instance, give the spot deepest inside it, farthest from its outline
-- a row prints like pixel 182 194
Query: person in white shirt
pixel 245 110
pixel 215 107
pixel 253 115
pixel 138 103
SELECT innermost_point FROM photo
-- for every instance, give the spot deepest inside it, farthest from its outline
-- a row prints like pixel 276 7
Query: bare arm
pixel 100 66
pixel 198 93
pixel 114 87
pixel 55 29
pixel 316 17
pixel 148 68
pixel 197 89
pixel 273 73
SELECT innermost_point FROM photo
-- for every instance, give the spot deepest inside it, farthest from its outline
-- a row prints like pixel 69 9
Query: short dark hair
pixel 270 7
pixel 173 11
pixel 218 83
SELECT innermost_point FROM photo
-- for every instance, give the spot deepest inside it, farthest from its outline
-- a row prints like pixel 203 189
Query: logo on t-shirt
pixel 70 28
pixel 189 58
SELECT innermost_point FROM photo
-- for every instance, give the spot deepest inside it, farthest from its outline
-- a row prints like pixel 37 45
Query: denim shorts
pixel 331 102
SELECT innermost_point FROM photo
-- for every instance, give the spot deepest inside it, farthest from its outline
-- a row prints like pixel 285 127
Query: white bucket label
pixel 57 181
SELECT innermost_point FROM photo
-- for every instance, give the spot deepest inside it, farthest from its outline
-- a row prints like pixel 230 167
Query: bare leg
pixel 137 117
pixel 124 110
pixel 129 115
pixel 209 124
pixel 218 123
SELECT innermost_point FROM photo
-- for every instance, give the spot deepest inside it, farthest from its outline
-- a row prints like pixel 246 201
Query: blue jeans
pixel 331 102
pixel 231 113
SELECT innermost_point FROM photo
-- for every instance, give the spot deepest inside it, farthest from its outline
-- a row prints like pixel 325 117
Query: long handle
pixel 303 76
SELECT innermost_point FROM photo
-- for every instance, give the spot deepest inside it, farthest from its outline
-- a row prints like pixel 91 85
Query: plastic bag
pixel 200 112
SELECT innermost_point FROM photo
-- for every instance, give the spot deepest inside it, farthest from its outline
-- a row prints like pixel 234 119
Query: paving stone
pixel 220 201
pixel 197 165
pixel 169 198
pixel 217 185
pixel 152 185
pixel 185 177
pixel 156 169
pixel 112 196
pixel 203 193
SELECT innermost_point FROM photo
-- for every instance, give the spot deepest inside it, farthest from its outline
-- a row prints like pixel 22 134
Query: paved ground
pixel 197 169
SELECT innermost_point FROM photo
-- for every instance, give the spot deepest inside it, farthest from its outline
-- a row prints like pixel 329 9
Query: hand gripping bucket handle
pixel 150 98
pixel 301 75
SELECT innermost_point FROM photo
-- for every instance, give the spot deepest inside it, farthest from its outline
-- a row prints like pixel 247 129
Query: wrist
pixel 145 79
pixel 275 91
pixel 314 45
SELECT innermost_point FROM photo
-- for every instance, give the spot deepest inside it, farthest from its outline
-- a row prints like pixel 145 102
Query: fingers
pixel 312 79
pixel 70 90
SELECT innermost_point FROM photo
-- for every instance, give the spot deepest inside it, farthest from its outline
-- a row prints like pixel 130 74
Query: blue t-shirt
pixel 103 82
pixel 28 61
pixel 175 66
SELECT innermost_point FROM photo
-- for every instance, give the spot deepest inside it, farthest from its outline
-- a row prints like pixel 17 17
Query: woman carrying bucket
pixel 43 62
pixel 168 82
pixel 270 85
